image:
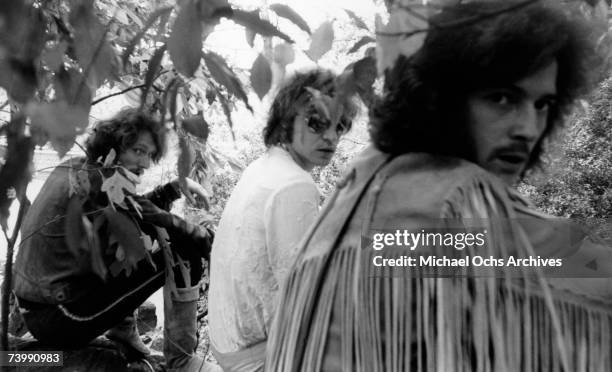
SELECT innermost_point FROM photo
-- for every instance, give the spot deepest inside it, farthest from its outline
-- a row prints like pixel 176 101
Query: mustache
pixel 521 147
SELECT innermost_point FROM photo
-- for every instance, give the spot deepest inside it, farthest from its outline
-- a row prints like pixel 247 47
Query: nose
pixel 528 123
pixel 331 135
pixel 144 161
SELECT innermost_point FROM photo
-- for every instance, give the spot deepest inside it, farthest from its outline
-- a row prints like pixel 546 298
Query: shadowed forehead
pixel 543 82
pixel 145 141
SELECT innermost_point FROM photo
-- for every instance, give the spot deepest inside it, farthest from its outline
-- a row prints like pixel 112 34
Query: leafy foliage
pixel 185 43
pixel 322 39
pixel 358 21
pixel 261 76
pixel 252 21
pixel 196 126
pixel 283 54
pixel 578 179
pixel 221 71
pixel 290 14
pixel 363 41
pixel 57 55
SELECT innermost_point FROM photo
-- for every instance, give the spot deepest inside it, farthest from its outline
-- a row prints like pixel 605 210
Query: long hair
pixel 292 96
pixel 424 104
pixel 121 132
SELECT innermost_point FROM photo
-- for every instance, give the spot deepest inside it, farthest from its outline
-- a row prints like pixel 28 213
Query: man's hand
pixel 197 193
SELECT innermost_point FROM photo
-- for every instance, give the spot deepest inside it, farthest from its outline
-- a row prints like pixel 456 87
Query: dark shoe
pixel 127 333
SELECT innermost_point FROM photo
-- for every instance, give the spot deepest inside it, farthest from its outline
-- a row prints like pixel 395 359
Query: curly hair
pixel 291 97
pixel 121 132
pixel 424 104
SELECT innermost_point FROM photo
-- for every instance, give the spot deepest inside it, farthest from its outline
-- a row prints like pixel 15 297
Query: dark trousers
pixel 74 324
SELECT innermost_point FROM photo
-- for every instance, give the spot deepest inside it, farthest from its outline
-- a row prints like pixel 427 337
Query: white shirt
pixel 256 242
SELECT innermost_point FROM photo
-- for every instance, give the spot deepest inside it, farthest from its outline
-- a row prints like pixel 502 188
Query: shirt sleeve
pixel 163 196
pixel 288 215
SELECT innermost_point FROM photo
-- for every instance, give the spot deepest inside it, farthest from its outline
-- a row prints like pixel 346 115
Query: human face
pixel 506 122
pixel 315 139
pixel 138 157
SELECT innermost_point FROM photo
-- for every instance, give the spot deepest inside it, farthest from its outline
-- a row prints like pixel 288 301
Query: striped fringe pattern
pixel 394 319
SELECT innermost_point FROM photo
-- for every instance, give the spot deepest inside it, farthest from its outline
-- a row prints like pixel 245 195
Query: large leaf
pixel 161 13
pixel 250 36
pixel 19 79
pixel 114 187
pixel 364 72
pixel 185 44
pixel 251 20
pixel 95 55
pixel 166 99
pixel 221 72
pixel 226 110
pixel 172 95
pixel 210 10
pixel 283 54
pixel 363 41
pixel 125 232
pixel 15 27
pixel 71 87
pixel 321 41
pixel 356 20
pixel 22 32
pixel 389 46
pixel 184 164
pixel 60 121
pixel 261 76
pixel 152 70
pixel 197 126
pixel 286 12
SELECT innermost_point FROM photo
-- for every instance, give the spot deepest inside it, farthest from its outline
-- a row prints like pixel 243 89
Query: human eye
pixel 500 97
pixel 139 151
pixel 545 104
pixel 316 125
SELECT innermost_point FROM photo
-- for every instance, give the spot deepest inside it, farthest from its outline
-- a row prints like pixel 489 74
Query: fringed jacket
pixel 341 309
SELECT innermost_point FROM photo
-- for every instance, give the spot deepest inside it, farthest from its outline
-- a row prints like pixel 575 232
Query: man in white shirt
pixel 268 213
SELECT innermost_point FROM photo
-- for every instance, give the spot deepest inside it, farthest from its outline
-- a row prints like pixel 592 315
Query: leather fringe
pixel 416 323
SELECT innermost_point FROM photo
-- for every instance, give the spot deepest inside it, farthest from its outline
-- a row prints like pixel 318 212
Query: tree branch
pixel 130 89
pixel 24 204
pixel 117 93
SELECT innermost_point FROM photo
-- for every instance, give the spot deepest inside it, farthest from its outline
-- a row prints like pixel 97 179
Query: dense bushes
pixel 577 179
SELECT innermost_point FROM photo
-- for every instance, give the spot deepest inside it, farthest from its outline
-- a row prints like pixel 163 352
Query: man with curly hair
pixel 80 271
pixel 460 123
